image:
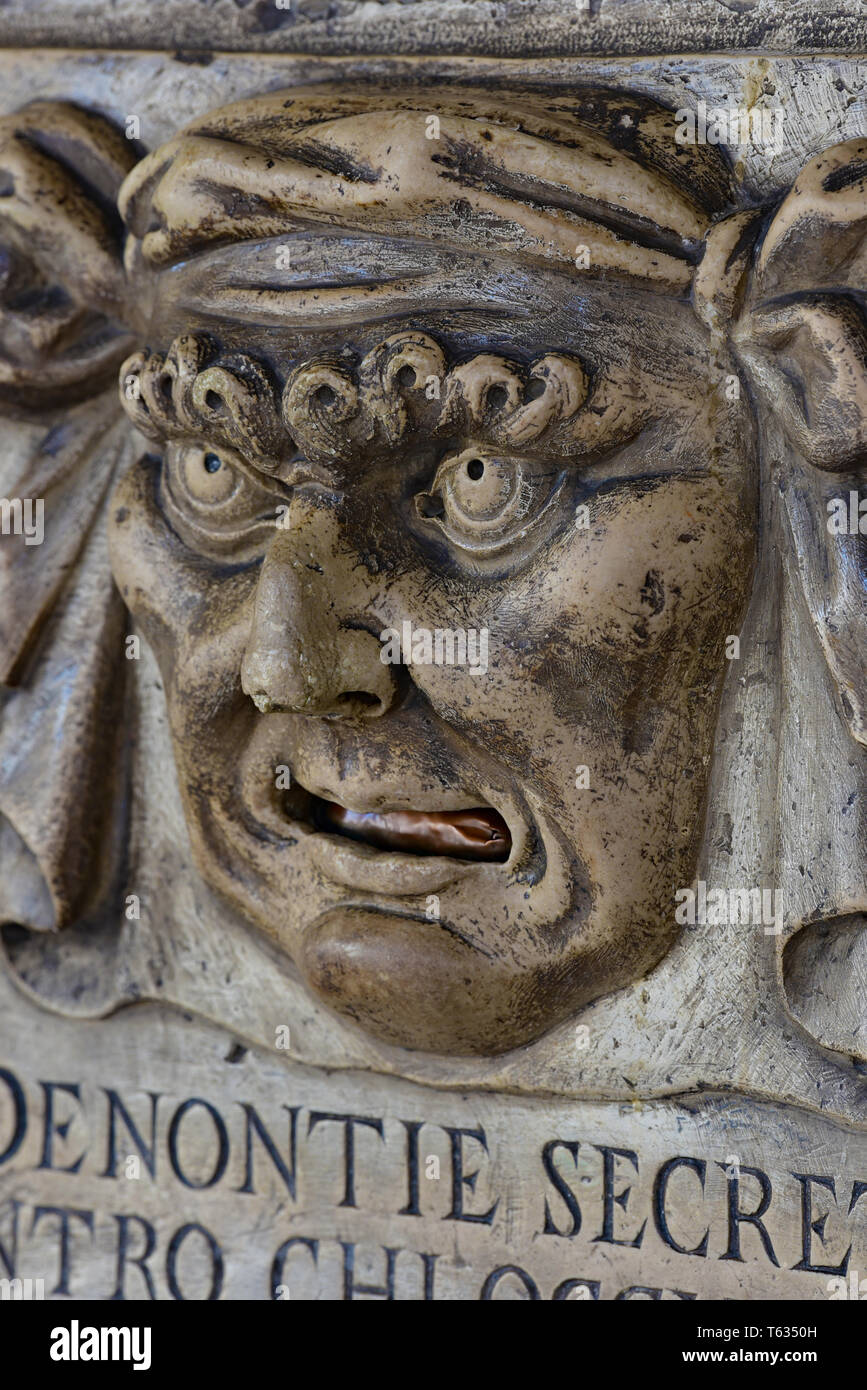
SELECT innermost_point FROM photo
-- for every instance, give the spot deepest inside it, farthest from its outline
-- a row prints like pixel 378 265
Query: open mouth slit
pixel 479 834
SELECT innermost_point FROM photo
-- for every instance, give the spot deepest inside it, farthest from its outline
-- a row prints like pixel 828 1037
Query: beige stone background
pixel 800 56
pixel 150 1049
pixel 712 1013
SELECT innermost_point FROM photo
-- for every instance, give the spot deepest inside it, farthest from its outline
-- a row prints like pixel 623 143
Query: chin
pixel 419 985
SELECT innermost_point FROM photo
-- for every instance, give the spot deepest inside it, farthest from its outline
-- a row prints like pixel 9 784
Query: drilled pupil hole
pixel 325 395
pixel 213 463
pixel 497 397
pixel 535 389
pixel 213 401
pixel 475 469
pixel 406 376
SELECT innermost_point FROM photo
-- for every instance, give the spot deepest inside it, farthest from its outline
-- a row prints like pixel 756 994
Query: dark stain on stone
pixel 196 57
pixel 653 592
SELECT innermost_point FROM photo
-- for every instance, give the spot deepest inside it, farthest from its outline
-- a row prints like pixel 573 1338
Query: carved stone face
pixel 442 546
pixel 604 583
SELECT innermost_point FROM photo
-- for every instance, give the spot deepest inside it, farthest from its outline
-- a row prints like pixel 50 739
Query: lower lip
pixel 387 873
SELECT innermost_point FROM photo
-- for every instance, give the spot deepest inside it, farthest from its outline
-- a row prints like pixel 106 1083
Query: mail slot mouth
pixel 478 834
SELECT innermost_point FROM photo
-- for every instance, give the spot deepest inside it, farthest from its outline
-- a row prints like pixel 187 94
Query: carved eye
pixel 207 476
pixel 211 498
pixel 482 500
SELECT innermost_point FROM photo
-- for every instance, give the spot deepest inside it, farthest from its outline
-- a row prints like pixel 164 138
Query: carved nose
pixel 307 653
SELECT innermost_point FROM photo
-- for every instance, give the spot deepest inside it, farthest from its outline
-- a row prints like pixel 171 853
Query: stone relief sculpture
pixel 472 513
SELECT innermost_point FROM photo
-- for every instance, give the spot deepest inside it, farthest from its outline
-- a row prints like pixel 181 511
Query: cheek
pixel 196 620
pixel 145 561
pixel 662 574
pixel 613 621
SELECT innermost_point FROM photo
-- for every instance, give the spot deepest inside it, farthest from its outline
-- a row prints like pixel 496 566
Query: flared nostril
pixel 304 654
pixel 263 702
pixel 358 702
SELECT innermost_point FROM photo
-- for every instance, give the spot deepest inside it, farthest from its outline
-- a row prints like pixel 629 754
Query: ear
pixel 802 332
pixel 810 355
pixel 829 559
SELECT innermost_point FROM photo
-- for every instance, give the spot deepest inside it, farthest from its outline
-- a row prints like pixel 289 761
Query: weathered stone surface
pixel 551 1223
pixel 426 351
pixel 508 28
